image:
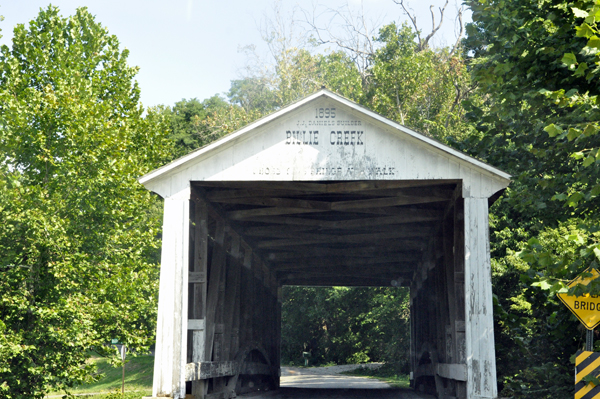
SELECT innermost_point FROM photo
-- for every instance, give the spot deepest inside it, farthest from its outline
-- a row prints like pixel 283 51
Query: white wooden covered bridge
pixel 322 192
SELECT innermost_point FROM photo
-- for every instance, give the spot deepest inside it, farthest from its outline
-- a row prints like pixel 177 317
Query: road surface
pixel 328 383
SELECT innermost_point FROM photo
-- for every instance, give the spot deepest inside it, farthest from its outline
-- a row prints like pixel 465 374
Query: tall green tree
pixel 345 325
pixel 189 129
pixel 419 87
pixel 78 242
pixel 536 67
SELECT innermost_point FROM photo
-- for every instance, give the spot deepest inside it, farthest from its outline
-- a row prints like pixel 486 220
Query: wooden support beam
pixel 198 194
pixel 226 195
pixel 232 292
pixel 294 207
pixel 388 277
pixel 319 232
pixel 324 187
pixel 346 205
pixel 423 227
pixel 262 185
pixel 206 370
pixel 197 278
pixel 230 195
pixel 347 263
pixel 456 372
pixel 275 211
pixel 220 216
pixel 340 281
pixel 298 225
pixel 383 202
pixel 216 268
pixel 279 202
pixel 196 324
pixel 344 239
pixel 294 253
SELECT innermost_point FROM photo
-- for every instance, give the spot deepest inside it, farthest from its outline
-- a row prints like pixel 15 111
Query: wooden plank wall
pixel 233 305
pixel 438 343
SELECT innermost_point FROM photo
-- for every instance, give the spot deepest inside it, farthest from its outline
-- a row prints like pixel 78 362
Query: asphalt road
pixel 328 383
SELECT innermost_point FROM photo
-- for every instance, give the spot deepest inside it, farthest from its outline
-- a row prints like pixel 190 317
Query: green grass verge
pixel 138 379
pixel 387 373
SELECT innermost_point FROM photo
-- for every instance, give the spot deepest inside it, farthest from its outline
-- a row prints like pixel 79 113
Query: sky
pixel 192 48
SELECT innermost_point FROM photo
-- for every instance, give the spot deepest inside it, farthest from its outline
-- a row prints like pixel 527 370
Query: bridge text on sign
pixel 586 307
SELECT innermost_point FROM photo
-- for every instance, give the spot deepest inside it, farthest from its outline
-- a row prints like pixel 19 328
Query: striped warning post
pixel 586 363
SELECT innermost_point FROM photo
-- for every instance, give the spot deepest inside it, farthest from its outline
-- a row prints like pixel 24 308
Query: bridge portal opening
pixel 248 240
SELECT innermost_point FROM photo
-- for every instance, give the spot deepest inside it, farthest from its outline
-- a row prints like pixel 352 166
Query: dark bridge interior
pixel 356 233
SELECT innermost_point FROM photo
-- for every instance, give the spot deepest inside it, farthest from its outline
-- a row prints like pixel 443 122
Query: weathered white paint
pixel 456 372
pixel 196 324
pixel 171 332
pixel 479 323
pixel 296 144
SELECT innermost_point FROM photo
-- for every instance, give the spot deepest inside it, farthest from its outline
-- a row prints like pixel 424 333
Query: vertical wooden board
pixel 448 232
pixel 171 343
pixel 235 327
pixel 413 333
pixel 214 281
pixel 440 312
pixel 459 258
pixel 219 343
pixel 200 265
pixel 245 336
pixel 480 353
pixel 278 336
pixel 231 292
pixel 465 176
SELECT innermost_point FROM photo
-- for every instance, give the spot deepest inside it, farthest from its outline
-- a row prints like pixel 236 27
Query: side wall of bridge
pixel 219 313
pixel 452 347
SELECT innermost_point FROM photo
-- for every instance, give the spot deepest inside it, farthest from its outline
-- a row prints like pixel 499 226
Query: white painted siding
pixel 299 146
pixel 171 333
pixel 481 355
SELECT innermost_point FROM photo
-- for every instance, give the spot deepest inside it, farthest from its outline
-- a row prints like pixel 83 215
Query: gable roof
pixel 284 141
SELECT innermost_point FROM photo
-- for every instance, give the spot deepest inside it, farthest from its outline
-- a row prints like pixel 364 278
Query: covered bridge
pixel 322 192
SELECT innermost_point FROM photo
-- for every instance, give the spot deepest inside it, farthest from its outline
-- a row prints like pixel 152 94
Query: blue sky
pixel 191 48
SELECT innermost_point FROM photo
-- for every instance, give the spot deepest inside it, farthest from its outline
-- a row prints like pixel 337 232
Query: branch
pixel 461 32
pixel 412 18
pixel 356 38
pixel 424 43
pixel 434 28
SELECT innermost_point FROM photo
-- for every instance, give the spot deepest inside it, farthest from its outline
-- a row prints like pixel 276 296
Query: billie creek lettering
pixel 311 137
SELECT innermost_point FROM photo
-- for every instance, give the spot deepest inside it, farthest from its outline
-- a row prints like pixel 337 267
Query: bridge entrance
pixel 323 192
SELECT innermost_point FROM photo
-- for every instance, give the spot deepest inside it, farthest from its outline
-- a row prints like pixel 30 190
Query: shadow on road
pixel 339 393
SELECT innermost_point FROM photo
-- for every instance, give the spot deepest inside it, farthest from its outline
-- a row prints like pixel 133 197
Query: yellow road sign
pixel 585 307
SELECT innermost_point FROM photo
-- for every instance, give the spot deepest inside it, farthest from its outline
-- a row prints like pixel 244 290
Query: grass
pixel 386 373
pixel 138 379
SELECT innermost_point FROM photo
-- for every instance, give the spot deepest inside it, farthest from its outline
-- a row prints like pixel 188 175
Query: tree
pixel 345 325
pixel 537 118
pixel 188 123
pixel 418 87
pixel 78 242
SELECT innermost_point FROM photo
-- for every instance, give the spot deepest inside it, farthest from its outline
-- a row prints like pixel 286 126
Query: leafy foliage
pixel 419 88
pixel 345 325
pixel 189 130
pixel 78 239
pixel 537 112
